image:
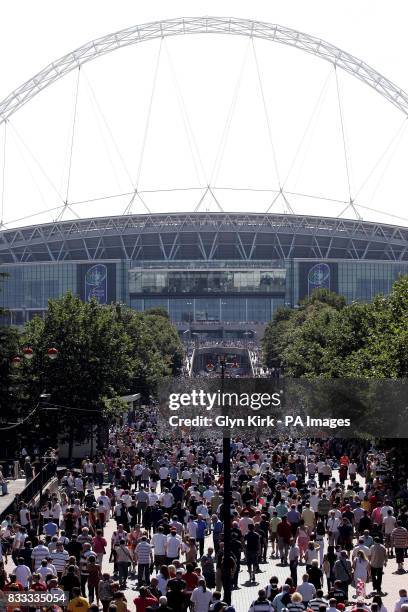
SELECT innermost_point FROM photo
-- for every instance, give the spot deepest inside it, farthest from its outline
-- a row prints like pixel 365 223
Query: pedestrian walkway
pixel 246 594
pixel 14 488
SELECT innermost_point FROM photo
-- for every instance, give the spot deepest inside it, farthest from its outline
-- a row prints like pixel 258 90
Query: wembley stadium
pixel 219 273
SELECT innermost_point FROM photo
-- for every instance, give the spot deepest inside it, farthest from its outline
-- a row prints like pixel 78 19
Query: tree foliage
pixel 104 352
pixel 325 337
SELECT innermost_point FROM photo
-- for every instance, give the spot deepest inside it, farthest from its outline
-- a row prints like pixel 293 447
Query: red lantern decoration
pixel 28 352
pixel 16 361
pixel 52 353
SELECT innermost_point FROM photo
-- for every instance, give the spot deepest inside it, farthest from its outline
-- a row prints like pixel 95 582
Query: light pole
pixel 51 353
pixel 226 460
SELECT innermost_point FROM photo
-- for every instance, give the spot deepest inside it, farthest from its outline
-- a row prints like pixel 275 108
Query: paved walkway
pixel 14 487
pixel 243 597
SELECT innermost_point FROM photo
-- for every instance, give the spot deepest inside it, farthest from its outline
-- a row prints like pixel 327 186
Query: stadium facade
pixel 217 274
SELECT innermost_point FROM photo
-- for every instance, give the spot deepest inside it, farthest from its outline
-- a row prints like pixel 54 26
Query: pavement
pixel 243 597
pixel 14 488
pixel 246 594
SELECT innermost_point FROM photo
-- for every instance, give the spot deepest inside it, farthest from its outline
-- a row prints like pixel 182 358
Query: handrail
pixel 31 489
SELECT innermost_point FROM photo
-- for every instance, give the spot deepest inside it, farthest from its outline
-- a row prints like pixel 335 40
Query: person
pixel 99 545
pixel 296 604
pixel 201 597
pixel 282 599
pixel 59 558
pixel 318 601
pixel 78 603
pixel 105 591
pixel 403 601
pixel 378 561
pixel 293 560
pixel 315 575
pixel 175 588
pixel 144 600
pixel 23 573
pixel 159 543
pixel 284 533
pixel 307 590
pixel 361 572
pixel 123 561
pixel 343 572
pixel 94 577
pixel 252 548
pixel 399 540
pixel 207 565
pixel 70 580
pixel 143 557
pixel 163 605
pixel 262 604
pixel 3 483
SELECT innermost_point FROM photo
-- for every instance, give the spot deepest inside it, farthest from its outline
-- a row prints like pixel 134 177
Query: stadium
pixel 219 274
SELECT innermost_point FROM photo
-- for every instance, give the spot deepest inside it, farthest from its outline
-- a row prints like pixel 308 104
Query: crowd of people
pixel 329 514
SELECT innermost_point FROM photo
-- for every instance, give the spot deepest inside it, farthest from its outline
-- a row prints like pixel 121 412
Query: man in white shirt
pixel 306 589
pixel 163 475
pixel 333 528
pixel 173 547
pixel 159 545
pixel 23 573
pixel 167 499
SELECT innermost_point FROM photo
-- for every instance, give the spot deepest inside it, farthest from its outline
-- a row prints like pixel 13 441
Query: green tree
pixel 94 361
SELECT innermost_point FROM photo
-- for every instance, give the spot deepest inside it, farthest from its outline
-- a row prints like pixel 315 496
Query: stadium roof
pixel 204 237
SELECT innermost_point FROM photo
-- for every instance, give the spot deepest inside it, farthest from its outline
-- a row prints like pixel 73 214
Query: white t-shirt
pixel 159 541
pixel 201 599
pixel 173 545
pixel 23 574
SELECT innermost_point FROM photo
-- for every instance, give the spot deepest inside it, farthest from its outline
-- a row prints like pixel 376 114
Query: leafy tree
pixel 324 337
pixel 94 361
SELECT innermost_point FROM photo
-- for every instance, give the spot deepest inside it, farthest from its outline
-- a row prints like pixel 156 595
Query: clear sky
pixel 172 118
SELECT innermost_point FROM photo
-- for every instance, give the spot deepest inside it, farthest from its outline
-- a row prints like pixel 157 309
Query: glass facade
pixel 362 281
pixel 196 292
pixel 213 310
pixel 207 281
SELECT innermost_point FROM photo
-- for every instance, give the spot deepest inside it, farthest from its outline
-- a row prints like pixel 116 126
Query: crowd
pixel 332 508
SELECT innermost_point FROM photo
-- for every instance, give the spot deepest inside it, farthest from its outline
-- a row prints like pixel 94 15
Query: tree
pixel 324 337
pixel 94 361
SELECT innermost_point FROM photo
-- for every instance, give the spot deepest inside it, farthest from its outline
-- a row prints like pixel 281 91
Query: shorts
pixel 274 537
pixel 159 560
pixel 251 557
pixel 399 555
pixel 387 539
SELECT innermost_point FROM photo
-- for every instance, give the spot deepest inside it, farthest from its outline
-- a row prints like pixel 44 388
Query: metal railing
pixel 32 488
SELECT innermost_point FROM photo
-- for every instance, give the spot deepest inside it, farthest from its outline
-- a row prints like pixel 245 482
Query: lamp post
pixel 226 459
pixel 28 353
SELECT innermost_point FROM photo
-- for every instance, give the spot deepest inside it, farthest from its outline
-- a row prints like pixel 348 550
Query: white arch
pixel 203 25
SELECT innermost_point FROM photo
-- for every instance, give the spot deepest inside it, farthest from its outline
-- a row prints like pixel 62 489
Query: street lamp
pixel 226 460
pixel 28 353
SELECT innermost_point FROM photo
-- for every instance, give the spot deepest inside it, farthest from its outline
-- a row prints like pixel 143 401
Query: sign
pixel 319 275
pixel 97 281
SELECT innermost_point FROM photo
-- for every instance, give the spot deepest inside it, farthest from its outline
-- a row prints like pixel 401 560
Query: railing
pixel 32 489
